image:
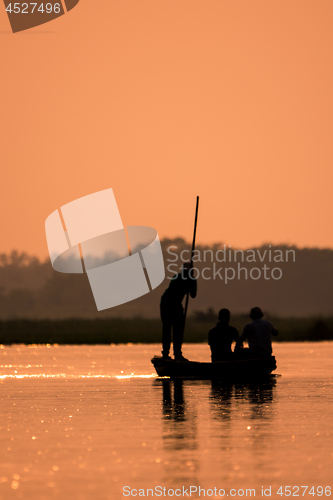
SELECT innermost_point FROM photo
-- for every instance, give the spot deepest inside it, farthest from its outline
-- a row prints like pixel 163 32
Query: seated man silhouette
pixel 221 337
pixel 172 311
pixel 258 334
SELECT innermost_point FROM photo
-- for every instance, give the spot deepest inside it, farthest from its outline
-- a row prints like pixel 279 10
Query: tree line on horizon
pixel 30 288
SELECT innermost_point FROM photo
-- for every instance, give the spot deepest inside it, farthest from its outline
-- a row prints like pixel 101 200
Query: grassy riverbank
pixel 140 330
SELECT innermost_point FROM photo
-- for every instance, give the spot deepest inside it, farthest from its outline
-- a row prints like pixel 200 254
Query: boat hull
pixel 222 370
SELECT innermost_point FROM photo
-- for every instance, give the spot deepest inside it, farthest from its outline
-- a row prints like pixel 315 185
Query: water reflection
pixel 221 400
pixel 259 395
pixel 202 415
pixel 224 398
pixel 104 433
pixel 179 416
pixel 179 432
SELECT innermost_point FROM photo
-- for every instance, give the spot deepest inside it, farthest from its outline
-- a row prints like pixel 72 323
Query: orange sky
pixel 166 99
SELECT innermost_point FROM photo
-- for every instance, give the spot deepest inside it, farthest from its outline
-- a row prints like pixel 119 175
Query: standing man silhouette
pixel 172 311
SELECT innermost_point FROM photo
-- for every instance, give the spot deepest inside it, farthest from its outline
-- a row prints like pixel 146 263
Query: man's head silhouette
pixel 256 313
pixel 224 316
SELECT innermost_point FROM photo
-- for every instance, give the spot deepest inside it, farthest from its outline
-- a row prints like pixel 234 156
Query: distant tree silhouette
pixel 305 289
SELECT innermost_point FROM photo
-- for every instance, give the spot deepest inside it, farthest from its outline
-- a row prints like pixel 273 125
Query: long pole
pixel 192 253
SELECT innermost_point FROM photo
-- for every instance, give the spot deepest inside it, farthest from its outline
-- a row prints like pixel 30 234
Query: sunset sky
pixel 163 100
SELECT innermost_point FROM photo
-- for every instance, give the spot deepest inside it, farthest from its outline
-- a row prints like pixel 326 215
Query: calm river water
pixel 85 422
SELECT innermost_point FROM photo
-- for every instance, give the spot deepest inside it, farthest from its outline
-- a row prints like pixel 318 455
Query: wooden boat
pixel 223 370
